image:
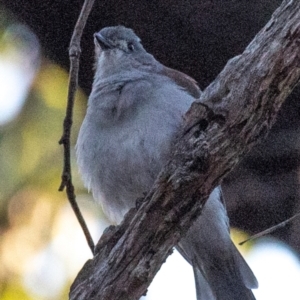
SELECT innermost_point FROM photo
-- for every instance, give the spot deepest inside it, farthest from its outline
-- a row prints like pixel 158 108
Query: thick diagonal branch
pixel 240 107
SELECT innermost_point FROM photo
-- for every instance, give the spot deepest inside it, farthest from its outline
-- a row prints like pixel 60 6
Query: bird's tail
pixel 221 273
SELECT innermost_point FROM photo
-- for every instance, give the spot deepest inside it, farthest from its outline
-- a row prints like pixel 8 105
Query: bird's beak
pixel 101 41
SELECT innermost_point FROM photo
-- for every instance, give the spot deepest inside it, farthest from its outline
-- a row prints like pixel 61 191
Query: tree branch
pixel 239 108
pixel 66 178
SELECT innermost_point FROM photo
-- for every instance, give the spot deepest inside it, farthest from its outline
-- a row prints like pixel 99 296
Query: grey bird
pixel 134 111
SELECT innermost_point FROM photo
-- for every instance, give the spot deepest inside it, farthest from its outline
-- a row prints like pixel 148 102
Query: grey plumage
pixel 134 111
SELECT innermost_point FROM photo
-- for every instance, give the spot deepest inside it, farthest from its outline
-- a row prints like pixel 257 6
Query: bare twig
pixel 74 54
pixel 270 230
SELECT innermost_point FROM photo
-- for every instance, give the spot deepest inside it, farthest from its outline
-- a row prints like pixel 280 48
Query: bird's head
pixel 118 49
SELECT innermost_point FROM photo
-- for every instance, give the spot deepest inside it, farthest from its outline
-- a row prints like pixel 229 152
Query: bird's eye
pixel 130 46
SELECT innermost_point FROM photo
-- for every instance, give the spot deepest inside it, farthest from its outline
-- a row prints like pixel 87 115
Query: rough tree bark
pixel 239 108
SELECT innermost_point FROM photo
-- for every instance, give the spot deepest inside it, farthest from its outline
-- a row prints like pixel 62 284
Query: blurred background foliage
pixel 37 227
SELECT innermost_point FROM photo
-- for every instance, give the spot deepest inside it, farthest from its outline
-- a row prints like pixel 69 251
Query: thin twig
pixel 270 230
pixel 74 54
